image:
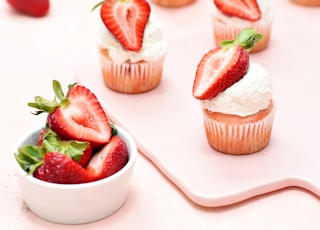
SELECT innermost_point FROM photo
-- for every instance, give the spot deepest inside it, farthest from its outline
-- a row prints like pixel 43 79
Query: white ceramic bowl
pixel 79 203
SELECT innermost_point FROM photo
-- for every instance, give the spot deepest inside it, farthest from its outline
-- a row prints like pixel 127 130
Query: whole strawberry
pixel 35 8
pixel 61 169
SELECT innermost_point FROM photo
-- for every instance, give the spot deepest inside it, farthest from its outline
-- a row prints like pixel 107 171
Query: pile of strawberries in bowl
pixel 76 168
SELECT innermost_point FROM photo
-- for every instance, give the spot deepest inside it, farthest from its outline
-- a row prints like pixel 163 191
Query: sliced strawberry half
pixel 218 70
pixel 61 169
pixel 109 160
pixel 126 20
pixel 77 116
pixel 246 9
pixel 221 67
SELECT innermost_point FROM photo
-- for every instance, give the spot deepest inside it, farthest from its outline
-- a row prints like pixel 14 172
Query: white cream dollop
pixel 246 97
pixel 154 44
pixel 265 9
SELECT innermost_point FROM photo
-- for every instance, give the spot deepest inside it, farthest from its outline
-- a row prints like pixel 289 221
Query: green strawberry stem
pixel 246 39
pixel 97 5
pixel 45 105
pixel 30 157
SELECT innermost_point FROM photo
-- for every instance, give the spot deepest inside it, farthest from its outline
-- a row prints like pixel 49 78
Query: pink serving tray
pixel 168 127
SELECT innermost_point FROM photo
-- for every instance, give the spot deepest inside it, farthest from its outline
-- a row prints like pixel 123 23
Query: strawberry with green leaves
pixel 223 66
pixel 52 166
pixel 75 116
pixel 79 151
pixel 126 20
pixel 245 9
pixel 59 161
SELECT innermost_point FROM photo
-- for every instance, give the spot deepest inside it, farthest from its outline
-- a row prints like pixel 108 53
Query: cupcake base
pixel 307 2
pixel 129 77
pixel 173 3
pixel 237 135
pixel 223 31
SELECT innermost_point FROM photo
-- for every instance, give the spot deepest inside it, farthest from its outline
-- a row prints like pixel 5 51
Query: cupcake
pixel 307 2
pixel 228 20
pixel 235 97
pixel 173 3
pixel 131 46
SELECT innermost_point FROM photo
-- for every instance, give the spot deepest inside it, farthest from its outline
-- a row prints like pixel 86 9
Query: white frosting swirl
pixel 265 9
pixel 154 45
pixel 246 97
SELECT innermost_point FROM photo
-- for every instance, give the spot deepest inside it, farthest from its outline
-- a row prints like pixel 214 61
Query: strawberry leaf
pixel 30 157
pixel 45 105
pixel 246 39
pixel 53 143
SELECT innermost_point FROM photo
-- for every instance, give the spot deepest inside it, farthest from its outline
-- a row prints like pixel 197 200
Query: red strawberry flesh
pixel 246 9
pixel 83 118
pixel 218 70
pixel 126 20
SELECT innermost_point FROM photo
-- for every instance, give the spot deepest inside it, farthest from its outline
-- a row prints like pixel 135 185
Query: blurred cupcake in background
pixel 173 3
pixel 229 19
pixel 307 2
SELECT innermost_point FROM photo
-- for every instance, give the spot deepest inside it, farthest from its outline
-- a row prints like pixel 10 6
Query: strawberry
pixel 126 20
pixel 109 160
pixel 77 116
pixel 41 136
pixel 35 8
pixel 52 167
pixel 245 9
pixel 223 66
pixel 79 151
pixel 61 169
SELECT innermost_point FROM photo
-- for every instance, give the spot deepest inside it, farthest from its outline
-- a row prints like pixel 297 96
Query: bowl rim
pixel 128 138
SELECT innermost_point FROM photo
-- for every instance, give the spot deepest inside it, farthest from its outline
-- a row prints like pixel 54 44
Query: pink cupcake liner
pixel 243 138
pixel 131 77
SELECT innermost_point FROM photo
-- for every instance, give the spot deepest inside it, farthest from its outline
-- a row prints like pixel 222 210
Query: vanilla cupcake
pixel 307 2
pixel 228 22
pixel 173 3
pixel 236 100
pixel 128 67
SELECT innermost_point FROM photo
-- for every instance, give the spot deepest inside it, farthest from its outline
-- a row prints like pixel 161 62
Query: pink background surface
pixel 34 51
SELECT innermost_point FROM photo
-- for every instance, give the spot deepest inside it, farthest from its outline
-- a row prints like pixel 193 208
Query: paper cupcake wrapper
pixel 242 138
pixel 173 3
pixel 132 78
pixel 223 31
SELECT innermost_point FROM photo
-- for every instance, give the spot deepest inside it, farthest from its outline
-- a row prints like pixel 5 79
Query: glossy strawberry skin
pixel 109 160
pixel 83 118
pixel 218 70
pixel 87 154
pixel 40 137
pixel 246 9
pixel 35 8
pixel 61 169
pixel 126 20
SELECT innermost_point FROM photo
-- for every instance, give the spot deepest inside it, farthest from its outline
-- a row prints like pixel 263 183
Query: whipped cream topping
pixel 265 9
pixel 246 97
pixel 154 45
